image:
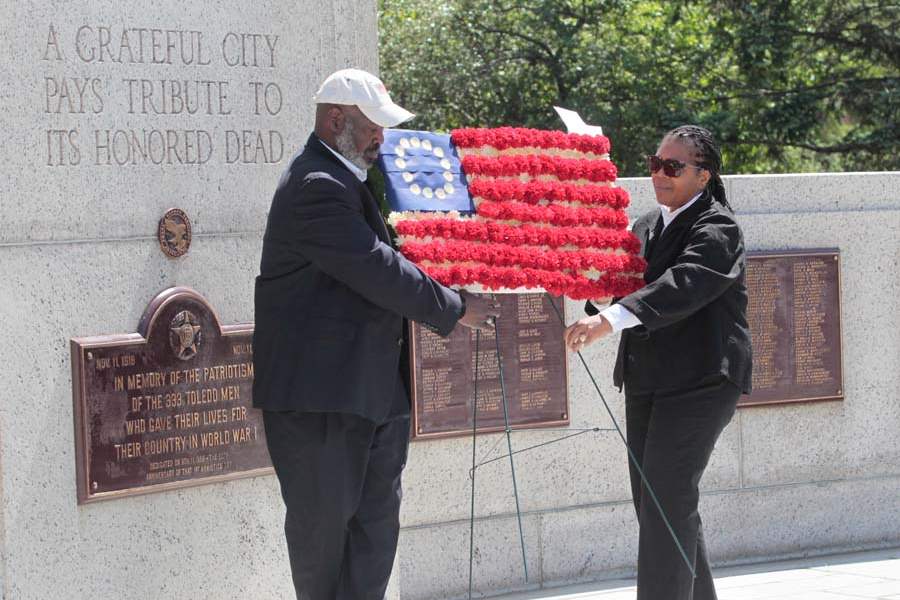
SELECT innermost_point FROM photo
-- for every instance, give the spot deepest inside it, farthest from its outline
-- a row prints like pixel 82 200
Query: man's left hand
pixel 480 312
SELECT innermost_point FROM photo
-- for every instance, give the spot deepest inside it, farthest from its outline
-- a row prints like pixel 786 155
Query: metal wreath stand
pixel 510 453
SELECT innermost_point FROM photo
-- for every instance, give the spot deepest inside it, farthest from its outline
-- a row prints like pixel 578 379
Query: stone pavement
pixel 874 575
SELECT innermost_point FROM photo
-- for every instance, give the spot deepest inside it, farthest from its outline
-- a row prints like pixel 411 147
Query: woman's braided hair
pixel 707 155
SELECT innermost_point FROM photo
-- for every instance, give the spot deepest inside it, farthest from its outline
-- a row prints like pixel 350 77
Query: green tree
pixel 802 85
pixel 809 83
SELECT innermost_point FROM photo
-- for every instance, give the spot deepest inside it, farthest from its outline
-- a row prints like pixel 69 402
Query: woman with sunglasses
pixel 684 355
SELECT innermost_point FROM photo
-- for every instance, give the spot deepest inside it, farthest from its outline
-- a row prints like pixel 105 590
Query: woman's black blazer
pixel 693 309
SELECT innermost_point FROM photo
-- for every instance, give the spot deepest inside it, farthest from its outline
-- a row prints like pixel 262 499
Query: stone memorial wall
pixel 111 114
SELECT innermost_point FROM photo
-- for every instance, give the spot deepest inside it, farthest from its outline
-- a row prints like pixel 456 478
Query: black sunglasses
pixel 670 167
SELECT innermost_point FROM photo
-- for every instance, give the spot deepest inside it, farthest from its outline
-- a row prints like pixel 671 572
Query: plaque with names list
pixel 795 325
pixel 534 372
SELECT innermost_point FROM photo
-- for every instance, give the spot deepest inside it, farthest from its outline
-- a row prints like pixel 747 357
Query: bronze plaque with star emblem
pixel 168 406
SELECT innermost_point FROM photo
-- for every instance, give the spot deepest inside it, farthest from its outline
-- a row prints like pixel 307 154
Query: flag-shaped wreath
pixel 512 210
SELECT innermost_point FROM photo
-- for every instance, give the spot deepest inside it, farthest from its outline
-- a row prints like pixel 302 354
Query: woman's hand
pixel 585 332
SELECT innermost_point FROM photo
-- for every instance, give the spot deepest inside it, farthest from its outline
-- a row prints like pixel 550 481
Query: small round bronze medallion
pixel 185 335
pixel 174 233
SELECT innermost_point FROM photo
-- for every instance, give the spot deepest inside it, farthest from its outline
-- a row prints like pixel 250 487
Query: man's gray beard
pixel 347 148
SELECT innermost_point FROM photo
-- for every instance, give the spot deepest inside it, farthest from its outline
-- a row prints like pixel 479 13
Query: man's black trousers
pixel 340 480
pixel 672 435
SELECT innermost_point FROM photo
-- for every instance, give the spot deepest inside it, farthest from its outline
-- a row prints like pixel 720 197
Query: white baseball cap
pixel 357 88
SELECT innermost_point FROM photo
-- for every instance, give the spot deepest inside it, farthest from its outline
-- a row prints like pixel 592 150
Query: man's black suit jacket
pixel 693 309
pixel 332 295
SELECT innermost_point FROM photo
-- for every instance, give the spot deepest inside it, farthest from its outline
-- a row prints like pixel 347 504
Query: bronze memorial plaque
pixel 168 406
pixel 795 325
pixel 534 372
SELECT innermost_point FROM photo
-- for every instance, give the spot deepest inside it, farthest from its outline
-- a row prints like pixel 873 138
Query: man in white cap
pixel 331 371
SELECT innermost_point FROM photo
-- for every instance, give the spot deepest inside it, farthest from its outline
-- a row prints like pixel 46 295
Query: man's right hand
pixel 480 312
